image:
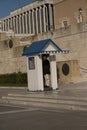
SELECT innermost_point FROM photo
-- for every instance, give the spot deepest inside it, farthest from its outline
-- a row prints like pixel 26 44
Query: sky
pixel 6 6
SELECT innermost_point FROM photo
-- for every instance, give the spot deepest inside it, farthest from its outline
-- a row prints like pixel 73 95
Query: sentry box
pixel 41 65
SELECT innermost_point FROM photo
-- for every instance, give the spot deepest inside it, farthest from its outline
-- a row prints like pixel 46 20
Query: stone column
pixel 40 20
pixel 44 18
pixel 50 17
pixel 3 26
pixel 29 22
pixel 8 24
pixel 14 24
pixel 36 21
pixel 20 24
pixel 33 21
pixel 11 23
pixel 23 23
pixel 26 24
pixel 17 24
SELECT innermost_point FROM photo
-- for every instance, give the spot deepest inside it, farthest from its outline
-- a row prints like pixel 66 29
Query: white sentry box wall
pixel 35 76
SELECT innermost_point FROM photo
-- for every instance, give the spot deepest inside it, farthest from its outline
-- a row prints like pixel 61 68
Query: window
pixel 65 23
pixel 65 69
pixel 31 62
pixel 10 43
pixel 80 17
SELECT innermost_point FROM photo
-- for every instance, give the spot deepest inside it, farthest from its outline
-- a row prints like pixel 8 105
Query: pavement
pixel 32 118
pixel 14 118
pixel 72 90
pixel 6 90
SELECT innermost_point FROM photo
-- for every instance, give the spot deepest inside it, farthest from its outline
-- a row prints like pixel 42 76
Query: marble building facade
pixel 34 18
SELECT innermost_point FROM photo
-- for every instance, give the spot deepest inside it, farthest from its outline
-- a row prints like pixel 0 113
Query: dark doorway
pixel 46 71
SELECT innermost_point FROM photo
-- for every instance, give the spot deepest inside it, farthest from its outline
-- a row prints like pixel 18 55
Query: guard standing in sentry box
pixel 46 71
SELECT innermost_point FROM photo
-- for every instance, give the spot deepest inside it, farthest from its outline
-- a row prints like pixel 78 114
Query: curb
pixel 13 87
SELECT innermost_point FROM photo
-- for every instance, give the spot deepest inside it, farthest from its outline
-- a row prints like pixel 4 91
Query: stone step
pixel 48 96
pixel 46 101
pixel 84 79
pixel 45 105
